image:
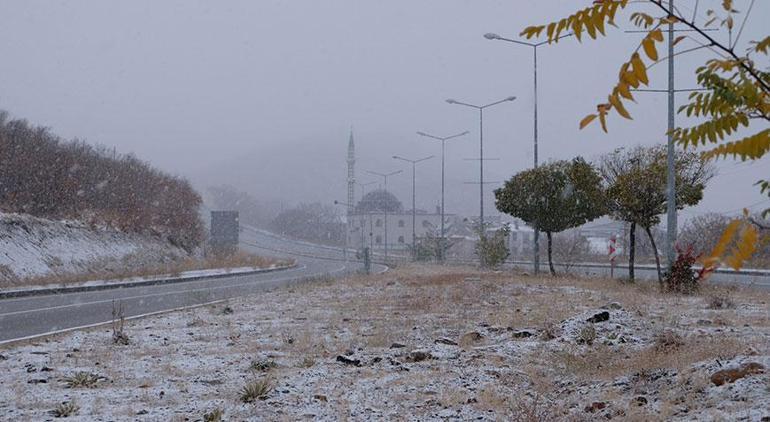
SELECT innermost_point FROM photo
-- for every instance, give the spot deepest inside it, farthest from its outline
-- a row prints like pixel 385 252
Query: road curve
pixel 29 317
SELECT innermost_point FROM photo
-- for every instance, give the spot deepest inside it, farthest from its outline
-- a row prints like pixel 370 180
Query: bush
pixel 683 278
pixel 493 250
pixel 46 176
pixel 256 390
pixel 65 409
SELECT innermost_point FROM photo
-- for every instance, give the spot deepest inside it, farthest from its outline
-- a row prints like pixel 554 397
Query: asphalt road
pixel 29 317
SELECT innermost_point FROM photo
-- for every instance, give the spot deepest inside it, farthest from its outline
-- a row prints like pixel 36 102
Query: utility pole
pixel 443 148
pixel 414 208
pixel 481 150
pixel 534 46
pixel 671 174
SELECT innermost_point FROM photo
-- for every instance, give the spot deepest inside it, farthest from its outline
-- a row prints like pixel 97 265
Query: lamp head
pixel 451 101
pixel 510 98
pixel 491 36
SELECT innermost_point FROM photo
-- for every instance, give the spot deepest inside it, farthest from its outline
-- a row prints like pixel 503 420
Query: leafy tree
pixel 635 180
pixel 554 197
pixel 493 250
pixel 737 97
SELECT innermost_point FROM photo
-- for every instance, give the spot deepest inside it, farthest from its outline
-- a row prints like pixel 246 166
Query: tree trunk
pixel 631 251
pixel 550 252
pixel 657 257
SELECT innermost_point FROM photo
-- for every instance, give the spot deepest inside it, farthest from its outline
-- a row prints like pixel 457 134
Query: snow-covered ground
pixel 35 247
pixel 416 343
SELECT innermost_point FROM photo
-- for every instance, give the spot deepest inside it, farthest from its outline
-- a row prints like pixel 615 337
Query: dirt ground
pixel 415 343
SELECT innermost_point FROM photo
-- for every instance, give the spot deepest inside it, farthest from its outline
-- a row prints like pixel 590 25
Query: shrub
pixel 720 300
pixel 43 175
pixel 587 334
pixel 118 323
pixel 682 277
pixel 82 380
pixel 256 390
pixel 262 365
pixel 65 409
pixel 214 416
pixel 493 250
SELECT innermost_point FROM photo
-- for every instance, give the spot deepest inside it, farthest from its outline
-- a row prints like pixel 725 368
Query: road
pixel 29 317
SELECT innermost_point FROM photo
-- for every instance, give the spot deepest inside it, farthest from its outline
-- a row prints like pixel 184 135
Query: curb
pixel 171 280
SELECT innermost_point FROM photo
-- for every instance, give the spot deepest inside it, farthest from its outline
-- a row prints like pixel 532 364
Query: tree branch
pixel 765 86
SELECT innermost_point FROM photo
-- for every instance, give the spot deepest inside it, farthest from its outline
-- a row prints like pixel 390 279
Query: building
pixel 379 221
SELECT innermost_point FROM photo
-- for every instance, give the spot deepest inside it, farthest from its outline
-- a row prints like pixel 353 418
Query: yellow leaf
pixel 587 120
pixel 639 69
pixel 679 38
pixel 649 48
pixel 615 101
pixel 656 35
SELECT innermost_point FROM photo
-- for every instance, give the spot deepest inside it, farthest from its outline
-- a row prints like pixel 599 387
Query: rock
pixel 731 375
pixel 523 334
pixel 418 356
pixel 3 357
pixel 376 359
pixel 704 322
pixel 595 407
pixel 615 305
pixel 142 412
pixel 470 338
pixel 599 317
pixel 348 361
pixel 46 369
pixel 397 346
pixel 320 397
pixel 639 401
pixel 37 381
pixel 446 341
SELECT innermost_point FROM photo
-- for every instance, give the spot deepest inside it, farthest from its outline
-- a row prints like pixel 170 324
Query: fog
pixel 263 94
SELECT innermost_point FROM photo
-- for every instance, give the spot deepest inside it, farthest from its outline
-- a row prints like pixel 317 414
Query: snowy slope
pixel 32 247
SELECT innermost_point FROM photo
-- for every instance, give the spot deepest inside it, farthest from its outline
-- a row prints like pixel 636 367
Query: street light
pixel 443 147
pixel 481 150
pixel 414 212
pixel 385 208
pixel 492 36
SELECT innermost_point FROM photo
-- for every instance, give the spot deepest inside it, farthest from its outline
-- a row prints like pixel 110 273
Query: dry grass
pixel 294 335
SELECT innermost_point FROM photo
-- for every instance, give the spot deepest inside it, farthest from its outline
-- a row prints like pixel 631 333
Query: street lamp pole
pixel 481 151
pixel 534 46
pixel 443 148
pixel 414 208
pixel 385 208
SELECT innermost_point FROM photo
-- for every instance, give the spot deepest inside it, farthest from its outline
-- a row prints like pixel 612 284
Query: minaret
pixel 351 173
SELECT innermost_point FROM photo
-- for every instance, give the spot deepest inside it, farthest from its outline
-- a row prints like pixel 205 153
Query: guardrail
pixel 380 258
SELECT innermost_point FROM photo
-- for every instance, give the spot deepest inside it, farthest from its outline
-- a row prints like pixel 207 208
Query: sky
pixel 263 94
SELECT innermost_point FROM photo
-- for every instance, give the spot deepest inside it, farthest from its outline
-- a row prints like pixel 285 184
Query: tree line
pixel 627 185
pixel 43 175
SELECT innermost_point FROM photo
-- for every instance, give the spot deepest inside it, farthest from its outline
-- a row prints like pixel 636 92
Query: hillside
pixel 32 247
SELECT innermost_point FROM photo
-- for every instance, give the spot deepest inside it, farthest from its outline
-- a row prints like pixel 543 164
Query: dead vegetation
pixel 438 343
pixel 172 268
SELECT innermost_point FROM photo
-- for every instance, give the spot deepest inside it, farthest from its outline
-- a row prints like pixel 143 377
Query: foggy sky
pixel 262 94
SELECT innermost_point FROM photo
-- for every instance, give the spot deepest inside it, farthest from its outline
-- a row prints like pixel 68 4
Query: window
pixel 378 223
pixel 378 240
pixel 400 223
pixel 401 239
